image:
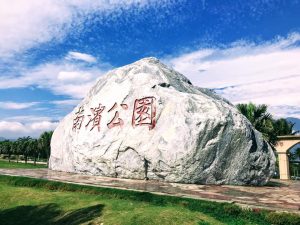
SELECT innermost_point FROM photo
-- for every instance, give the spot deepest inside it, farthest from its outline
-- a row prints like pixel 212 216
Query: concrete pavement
pixel 278 195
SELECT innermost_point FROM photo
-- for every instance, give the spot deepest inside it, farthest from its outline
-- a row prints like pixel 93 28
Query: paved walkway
pixel 278 195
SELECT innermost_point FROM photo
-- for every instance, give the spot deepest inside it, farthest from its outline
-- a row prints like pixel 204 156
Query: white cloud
pixel 14 129
pixel 266 73
pixel 74 75
pixel 23 24
pixel 17 105
pixel 26 24
pixel 286 111
pixel 27 118
pixel 42 126
pixel 61 77
pixel 81 56
pixel 71 102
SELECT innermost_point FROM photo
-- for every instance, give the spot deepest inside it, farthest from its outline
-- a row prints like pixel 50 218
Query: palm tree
pixel 17 151
pixel 298 153
pixel 44 143
pixel 13 148
pixel 284 127
pixel 8 147
pixel 24 149
pixel 2 148
pixel 33 149
pixel 260 118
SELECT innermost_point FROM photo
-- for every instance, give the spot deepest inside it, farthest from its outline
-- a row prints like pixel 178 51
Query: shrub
pixel 232 210
pixel 283 218
pixel 202 222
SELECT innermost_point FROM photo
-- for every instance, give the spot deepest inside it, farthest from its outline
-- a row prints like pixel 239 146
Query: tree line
pixel 258 115
pixel 28 147
pixel 264 122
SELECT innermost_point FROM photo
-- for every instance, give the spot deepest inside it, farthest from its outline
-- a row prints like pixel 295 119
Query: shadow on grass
pixel 48 214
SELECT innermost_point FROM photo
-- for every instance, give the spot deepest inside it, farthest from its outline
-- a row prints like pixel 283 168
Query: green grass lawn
pixel 12 165
pixel 34 201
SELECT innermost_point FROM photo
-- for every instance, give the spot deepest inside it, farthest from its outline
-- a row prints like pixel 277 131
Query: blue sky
pixel 52 51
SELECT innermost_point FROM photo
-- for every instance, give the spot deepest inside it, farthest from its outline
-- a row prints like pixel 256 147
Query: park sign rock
pixel 147 121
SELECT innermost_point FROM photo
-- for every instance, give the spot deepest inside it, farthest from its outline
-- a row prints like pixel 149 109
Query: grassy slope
pixel 14 165
pixel 25 205
pixel 49 202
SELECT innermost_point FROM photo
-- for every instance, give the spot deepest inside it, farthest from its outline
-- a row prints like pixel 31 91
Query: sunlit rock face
pixel 145 120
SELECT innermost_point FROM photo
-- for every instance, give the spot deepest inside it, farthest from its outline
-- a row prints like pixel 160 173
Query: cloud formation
pixel 55 45
pixel 267 73
pixel 71 102
pixel 26 24
pixel 13 129
pixel 81 56
pixel 17 105
pixel 62 77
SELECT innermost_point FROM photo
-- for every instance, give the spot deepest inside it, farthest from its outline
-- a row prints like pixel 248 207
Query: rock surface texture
pixel 147 121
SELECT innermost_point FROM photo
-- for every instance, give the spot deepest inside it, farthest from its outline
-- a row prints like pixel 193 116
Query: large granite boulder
pixel 147 121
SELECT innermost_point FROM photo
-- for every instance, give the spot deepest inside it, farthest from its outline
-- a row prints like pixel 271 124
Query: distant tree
pixel 33 149
pixel 13 148
pixel 1 147
pixel 44 143
pixel 296 154
pixel 260 118
pixel 24 149
pixel 5 148
pixel 263 121
pixel 284 127
pixel 28 147
pixel 17 150
pixel 9 150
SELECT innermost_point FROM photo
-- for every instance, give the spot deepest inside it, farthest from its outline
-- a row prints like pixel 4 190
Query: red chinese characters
pixel 96 118
pixel 144 112
pixel 78 119
pixel 116 121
